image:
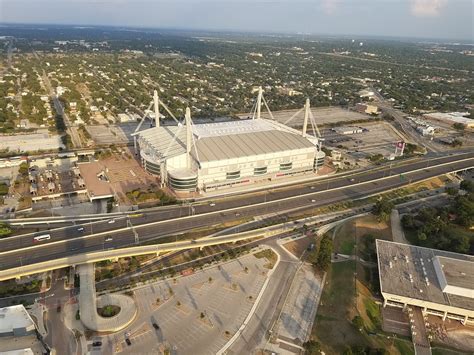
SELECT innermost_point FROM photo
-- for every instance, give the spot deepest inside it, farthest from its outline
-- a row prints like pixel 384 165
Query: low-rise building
pixel 440 283
pixel 367 108
pixel 15 321
pixel 451 117
pixel 348 130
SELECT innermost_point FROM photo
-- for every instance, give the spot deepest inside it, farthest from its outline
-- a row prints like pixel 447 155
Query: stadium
pixel 211 156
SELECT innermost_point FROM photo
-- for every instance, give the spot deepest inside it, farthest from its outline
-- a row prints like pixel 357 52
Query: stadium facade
pixel 210 156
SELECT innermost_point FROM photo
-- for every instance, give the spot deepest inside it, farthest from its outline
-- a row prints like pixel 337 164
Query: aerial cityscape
pixel 193 178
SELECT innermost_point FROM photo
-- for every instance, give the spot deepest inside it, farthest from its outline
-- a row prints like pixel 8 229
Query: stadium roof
pixel 224 140
pixel 426 274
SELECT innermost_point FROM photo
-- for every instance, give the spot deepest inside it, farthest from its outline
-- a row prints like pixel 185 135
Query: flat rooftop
pixel 458 273
pixel 426 274
pixel 14 317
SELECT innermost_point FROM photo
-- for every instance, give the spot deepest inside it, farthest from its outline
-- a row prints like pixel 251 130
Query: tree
pixel 5 230
pixel 422 236
pixel 451 191
pixel 324 253
pixel 467 185
pixel 382 209
pixel 312 347
pixel 358 322
pixel 459 126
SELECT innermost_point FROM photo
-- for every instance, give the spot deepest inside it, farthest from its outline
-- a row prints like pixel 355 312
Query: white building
pixel 440 283
pixel 452 117
pixel 15 321
pixel 210 156
pixel 348 130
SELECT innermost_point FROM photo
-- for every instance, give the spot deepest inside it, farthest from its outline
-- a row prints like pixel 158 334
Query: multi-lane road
pixel 104 235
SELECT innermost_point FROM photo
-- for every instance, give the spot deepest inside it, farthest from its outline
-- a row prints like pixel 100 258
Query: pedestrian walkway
pixel 88 304
pixel 418 331
pixel 397 230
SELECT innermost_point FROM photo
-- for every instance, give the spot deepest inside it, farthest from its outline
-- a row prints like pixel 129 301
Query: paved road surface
pixel 171 224
pixel 59 337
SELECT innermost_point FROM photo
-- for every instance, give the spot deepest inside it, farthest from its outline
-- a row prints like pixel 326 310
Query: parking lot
pixel 322 116
pixel 112 134
pixel 196 314
pixel 377 138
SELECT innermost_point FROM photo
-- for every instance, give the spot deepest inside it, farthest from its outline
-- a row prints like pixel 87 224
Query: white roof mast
pixel 189 136
pixel 259 101
pixel 306 116
pixel 156 104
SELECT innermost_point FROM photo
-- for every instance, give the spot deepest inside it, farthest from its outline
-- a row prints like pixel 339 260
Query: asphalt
pixel 171 220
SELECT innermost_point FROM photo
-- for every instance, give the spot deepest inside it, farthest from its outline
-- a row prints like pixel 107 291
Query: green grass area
pixel 333 328
pixel 405 347
pixel 344 239
pixel 344 300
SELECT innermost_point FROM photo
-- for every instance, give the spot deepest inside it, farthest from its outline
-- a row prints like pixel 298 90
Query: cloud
pixel 329 6
pixel 427 8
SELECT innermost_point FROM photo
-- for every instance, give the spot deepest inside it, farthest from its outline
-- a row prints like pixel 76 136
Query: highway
pixel 70 241
pixel 411 134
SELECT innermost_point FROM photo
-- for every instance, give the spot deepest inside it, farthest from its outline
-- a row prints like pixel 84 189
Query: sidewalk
pixel 397 230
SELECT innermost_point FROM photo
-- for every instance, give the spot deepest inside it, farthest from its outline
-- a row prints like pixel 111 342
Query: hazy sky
pixel 401 18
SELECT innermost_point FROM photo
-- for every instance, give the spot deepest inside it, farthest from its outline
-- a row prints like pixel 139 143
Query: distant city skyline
pixel 443 19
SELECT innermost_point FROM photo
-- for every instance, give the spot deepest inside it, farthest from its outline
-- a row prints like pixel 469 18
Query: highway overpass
pixel 114 254
pixel 102 236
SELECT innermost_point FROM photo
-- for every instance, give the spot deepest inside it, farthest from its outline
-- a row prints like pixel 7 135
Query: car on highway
pixel 313 201
pixel 109 239
pixel 42 237
pixel 111 221
pixel 212 204
pixel 80 229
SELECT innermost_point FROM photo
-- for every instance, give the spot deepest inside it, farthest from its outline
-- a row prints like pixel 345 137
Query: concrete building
pixel 425 130
pixel 210 156
pixel 440 283
pixel 367 108
pixel 15 321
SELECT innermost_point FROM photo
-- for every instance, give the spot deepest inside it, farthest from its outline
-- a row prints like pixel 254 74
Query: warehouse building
pixel 451 118
pixel 440 283
pixel 211 156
